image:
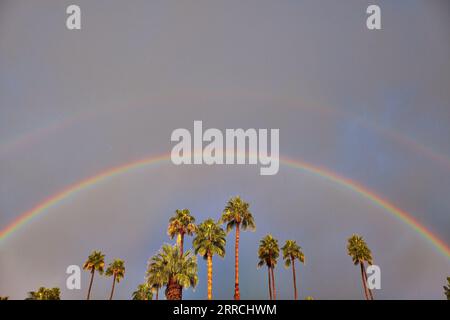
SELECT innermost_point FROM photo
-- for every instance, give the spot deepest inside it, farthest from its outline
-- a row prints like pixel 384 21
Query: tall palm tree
pixel 95 262
pixel 447 289
pixel 177 270
pixel 181 224
pixel 210 240
pixel 237 215
pixel 360 253
pixel 143 292
pixel 44 294
pixel 268 253
pixel 116 269
pixel 291 252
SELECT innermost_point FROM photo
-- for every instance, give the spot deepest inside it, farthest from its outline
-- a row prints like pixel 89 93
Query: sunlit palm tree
pixel 95 262
pixel 210 240
pixel 237 215
pixel 268 253
pixel 143 292
pixel 44 294
pixel 291 252
pixel 181 224
pixel 116 269
pixel 447 289
pixel 360 253
pixel 177 270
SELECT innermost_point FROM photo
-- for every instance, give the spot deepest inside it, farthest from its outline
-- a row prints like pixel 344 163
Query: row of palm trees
pixel 176 269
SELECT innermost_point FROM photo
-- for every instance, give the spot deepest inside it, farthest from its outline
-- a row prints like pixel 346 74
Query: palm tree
pixel 44 294
pixel 143 292
pixel 95 262
pixel 237 215
pixel 268 253
pixel 177 270
pixel 210 240
pixel 291 252
pixel 180 224
pixel 155 279
pixel 447 289
pixel 360 253
pixel 116 269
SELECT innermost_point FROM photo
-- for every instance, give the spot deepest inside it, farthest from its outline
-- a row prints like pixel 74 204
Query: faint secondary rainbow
pixel 324 173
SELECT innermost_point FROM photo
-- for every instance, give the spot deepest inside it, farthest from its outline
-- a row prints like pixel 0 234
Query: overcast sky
pixel 372 106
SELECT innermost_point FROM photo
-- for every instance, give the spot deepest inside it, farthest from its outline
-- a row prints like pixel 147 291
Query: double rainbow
pixel 73 189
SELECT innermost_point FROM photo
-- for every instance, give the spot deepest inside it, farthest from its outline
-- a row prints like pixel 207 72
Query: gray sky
pixel 372 106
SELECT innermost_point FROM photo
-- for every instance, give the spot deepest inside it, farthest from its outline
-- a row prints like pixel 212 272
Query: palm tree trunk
pixel 173 290
pixel 181 244
pixel 368 289
pixel 295 278
pixel 181 254
pixel 270 283
pixel 237 295
pixel 157 293
pixel 210 271
pixel 273 285
pixel 90 284
pixel 112 289
pixel 364 280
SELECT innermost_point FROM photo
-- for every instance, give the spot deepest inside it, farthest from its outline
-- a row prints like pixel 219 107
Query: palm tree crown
pixel 237 212
pixel 358 250
pixel 210 239
pixel 116 269
pixel 268 251
pixel 95 262
pixel 182 223
pixel 176 270
pixel 143 292
pixel 291 251
pixel 44 294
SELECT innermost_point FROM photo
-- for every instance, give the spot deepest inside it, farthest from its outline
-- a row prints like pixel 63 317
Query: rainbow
pixel 324 173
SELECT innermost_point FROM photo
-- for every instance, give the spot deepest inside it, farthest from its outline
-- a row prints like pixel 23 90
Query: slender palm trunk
pixel 237 295
pixel 270 283
pixel 368 289
pixel 181 244
pixel 90 284
pixel 364 281
pixel 210 271
pixel 112 289
pixel 295 278
pixel 274 290
pixel 157 293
